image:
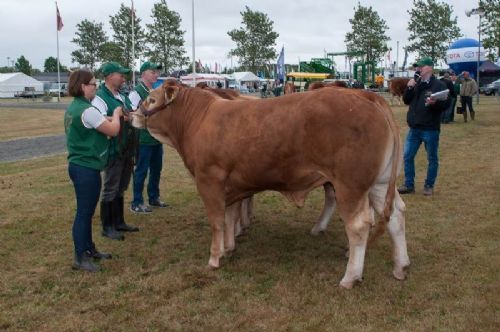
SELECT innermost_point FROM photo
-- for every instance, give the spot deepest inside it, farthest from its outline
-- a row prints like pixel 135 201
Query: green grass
pixel 280 277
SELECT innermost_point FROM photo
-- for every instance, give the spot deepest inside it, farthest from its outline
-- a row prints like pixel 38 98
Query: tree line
pixel 432 27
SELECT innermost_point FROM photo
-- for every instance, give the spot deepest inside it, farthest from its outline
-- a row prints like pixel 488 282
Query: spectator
pixel 446 115
pixel 456 88
pixel 423 118
pixel 150 156
pixel 118 172
pixel 263 91
pixel 468 88
pixel 87 143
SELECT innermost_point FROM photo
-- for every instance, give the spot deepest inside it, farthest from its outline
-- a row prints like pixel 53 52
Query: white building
pixel 19 84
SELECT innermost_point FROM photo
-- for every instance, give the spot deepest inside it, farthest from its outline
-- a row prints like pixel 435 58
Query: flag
pixel 280 66
pixel 59 20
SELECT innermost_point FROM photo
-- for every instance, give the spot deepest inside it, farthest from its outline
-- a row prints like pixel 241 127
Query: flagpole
pixel 133 44
pixel 58 70
pixel 194 65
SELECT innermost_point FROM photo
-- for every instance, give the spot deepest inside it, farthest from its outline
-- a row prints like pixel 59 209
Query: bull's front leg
pixel 231 220
pixel 213 196
pixel 328 209
pixel 246 212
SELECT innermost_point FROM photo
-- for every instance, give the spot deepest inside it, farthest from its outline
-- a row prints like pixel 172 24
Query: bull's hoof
pixel 400 273
pixel 315 231
pixel 213 263
pixel 349 284
pixel 229 251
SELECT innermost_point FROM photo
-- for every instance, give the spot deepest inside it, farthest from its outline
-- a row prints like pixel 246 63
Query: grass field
pixel 25 122
pixel 280 278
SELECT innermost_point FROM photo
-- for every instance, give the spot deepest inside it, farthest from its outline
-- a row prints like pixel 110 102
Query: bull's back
pixel 315 129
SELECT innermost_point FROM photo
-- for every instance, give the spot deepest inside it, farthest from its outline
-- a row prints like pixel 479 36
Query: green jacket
pixel 86 146
pixel 145 137
pixel 124 144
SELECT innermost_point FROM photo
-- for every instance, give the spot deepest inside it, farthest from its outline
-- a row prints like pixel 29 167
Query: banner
pixel 59 20
pixel 280 66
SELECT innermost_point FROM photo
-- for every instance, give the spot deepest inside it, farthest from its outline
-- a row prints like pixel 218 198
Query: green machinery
pixel 317 65
pixel 361 69
pixel 364 67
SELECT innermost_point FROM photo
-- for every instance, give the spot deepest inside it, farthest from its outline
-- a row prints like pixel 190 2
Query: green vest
pixel 145 137
pixel 86 146
pixel 124 143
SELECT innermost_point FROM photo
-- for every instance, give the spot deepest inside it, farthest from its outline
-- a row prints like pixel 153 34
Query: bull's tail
pixel 391 188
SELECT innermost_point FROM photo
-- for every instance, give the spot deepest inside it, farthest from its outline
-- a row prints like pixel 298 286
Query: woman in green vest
pixel 87 132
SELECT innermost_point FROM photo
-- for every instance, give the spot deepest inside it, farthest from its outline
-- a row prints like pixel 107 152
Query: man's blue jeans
pixel 87 184
pixel 150 158
pixel 415 137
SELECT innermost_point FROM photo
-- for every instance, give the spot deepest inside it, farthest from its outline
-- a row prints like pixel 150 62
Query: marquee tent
pixel 16 84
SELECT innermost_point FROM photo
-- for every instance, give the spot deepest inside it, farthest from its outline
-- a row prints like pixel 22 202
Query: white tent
pixel 14 84
pixel 245 76
pixel 210 79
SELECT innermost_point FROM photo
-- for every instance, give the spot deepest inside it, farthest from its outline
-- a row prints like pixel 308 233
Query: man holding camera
pixel 424 119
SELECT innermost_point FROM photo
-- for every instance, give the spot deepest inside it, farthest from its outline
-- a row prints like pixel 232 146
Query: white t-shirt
pixel 135 99
pixel 92 118
pixel 100 104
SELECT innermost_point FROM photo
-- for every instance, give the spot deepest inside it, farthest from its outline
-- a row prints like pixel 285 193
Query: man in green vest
pixel 150 156
pixel 122 151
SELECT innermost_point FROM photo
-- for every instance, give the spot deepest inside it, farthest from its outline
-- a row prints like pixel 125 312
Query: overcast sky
pixel 307 28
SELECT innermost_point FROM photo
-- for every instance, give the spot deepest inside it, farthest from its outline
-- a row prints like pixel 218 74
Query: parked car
pixel 54 89
pixel 492 89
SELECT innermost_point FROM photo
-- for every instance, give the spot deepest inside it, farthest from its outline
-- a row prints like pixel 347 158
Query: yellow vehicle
pixel 301 80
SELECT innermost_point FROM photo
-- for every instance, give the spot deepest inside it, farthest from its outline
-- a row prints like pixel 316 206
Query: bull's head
pixel 157 100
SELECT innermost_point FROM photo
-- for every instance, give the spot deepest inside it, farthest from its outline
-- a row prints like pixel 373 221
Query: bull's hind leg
pixel 357 225
pixel 232 217
pixel 396 228
pixel 328 209
pixel 212 194
pixel 397 231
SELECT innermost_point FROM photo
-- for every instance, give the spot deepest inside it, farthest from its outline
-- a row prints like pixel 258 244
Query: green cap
pixel 150 66
pixel 425 61
pixel 113 67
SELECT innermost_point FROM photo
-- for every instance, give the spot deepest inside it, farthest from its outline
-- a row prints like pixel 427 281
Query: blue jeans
pixel 150 158
pixel 415 137
pixel 87 184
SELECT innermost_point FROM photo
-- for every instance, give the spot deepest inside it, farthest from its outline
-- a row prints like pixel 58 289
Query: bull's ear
pixel 170 93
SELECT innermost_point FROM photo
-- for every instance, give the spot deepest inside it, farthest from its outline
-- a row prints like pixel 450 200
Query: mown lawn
pixel 280 278
pixel 29 122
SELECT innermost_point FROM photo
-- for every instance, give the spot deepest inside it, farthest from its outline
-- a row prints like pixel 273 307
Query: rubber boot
pixel 118 219
pixel 107 222
pixel 465 116
pixel 96 254
pixel 84 262
pixel 472 114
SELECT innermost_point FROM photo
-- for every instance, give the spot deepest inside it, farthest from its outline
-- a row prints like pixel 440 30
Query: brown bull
pixel 319 85
pixel 397 86
pixel 243 220
pixel 291 144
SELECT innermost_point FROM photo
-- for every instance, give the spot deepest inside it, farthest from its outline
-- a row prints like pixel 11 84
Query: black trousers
pixel 466 102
